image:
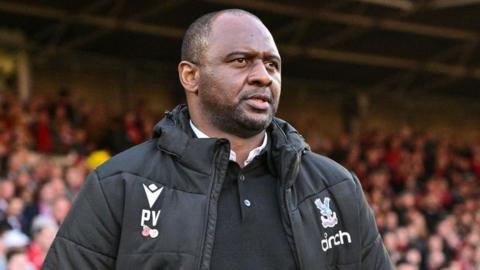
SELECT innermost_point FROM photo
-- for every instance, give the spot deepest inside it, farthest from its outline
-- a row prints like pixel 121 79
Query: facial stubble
pixel 230 116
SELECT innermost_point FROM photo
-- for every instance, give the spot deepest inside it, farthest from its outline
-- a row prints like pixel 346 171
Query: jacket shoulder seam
pixel 105 197
pixel 88 249
pixel 134 174
pixel 156 252
pixel 369 245
pixel 326 187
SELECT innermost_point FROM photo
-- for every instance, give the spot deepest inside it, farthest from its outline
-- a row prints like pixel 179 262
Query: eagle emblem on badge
pixel 329 217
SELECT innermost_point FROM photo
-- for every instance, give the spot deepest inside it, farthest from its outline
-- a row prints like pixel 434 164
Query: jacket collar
pixel 286 150
pixel 175 136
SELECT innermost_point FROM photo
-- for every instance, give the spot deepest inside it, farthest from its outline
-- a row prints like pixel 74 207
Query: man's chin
pixel 254 124
pixel 245 122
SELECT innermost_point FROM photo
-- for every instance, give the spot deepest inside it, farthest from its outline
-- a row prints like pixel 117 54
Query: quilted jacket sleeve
pixel 88 238
pixel 374 254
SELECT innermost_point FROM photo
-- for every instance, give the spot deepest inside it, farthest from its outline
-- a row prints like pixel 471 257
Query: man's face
pixel 240 81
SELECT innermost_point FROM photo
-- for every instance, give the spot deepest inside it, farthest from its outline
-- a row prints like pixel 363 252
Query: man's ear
pixel 189 75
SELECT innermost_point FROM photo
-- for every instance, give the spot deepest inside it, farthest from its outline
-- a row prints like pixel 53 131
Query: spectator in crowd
pixel 43 233
pixel 7 192
pixel 61 206
pixel 14 219
pixel 75 176
pixel 17 260
pixel 13 243
pixel 43 132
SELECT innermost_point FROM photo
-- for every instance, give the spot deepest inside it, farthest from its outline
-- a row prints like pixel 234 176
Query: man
pixel 223 184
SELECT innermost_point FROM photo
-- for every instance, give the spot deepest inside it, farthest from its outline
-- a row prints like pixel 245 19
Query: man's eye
pixel 271 65
pixel 241 60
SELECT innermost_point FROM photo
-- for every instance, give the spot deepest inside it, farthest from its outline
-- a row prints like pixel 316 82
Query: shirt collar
pixel 233 156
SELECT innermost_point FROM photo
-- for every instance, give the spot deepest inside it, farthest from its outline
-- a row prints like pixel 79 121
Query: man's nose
pixel 259 75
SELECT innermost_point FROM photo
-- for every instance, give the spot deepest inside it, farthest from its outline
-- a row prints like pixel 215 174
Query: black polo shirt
pixel 249 232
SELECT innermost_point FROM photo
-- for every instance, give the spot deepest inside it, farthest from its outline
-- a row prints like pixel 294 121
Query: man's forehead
pixel 233 32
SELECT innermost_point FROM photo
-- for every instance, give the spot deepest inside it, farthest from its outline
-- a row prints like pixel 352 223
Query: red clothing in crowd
pixel 35 255
pixel 44 138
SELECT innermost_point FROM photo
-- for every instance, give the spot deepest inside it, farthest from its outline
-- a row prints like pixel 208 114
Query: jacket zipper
pixel 213 198
pixel 288 202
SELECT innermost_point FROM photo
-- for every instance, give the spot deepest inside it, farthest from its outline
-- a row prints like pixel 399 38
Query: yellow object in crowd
pixel 96 158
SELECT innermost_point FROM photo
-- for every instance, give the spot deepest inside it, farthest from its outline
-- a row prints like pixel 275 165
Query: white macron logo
pixel 148 215
pixel 153 192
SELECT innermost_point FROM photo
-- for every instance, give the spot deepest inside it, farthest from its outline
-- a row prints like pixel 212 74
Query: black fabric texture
pixel 250 237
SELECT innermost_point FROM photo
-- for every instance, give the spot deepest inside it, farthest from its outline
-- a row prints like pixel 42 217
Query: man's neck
pixel 241 146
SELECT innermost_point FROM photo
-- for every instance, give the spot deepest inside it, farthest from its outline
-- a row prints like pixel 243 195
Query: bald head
pixel 195 40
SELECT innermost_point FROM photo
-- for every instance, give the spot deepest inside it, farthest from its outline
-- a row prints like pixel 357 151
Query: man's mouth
pixel 259 102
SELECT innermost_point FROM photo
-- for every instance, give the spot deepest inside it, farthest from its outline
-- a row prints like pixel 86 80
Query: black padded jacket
pixel 154 206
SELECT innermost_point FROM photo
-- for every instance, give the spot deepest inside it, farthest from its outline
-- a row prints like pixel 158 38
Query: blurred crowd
pixel 424 191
